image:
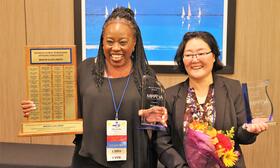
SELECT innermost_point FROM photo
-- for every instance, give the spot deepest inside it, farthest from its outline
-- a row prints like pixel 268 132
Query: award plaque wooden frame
pixel 51 75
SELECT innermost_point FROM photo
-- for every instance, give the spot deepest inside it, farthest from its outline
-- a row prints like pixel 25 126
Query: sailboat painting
pixel 162 24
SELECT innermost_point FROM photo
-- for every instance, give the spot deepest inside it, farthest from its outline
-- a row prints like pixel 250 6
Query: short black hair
pixel 207 38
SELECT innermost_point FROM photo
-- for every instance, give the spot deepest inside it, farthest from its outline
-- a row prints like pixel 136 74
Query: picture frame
pixel 217 17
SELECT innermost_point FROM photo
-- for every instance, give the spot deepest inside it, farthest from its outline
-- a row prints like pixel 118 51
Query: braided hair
pixel 139 59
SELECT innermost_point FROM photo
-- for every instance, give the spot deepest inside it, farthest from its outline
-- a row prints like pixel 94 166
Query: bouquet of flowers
pixel 207 147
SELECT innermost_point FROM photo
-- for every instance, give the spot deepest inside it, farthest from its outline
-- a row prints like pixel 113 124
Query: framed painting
pixel 163 25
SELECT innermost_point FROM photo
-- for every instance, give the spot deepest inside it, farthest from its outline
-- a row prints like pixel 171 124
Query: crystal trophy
pixel 258 104
pixel 153 94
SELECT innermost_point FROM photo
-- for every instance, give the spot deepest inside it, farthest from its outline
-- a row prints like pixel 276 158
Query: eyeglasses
pixel 189 56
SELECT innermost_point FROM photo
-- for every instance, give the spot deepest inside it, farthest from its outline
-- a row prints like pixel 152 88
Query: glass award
pixel 258 104
pixel 153 94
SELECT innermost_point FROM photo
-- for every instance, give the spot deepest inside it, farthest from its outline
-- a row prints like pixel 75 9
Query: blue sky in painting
pixel 162 23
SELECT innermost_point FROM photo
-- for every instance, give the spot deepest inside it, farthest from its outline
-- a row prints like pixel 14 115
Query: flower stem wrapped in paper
pixel 208 148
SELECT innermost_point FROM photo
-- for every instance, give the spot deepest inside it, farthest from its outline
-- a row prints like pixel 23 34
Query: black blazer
pixel 230 112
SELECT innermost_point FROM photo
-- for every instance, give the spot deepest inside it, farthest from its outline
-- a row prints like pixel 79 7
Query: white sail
pixel 189 12
pixel 183 13
pixel 106 12
pixel 199 15
pixel 199 12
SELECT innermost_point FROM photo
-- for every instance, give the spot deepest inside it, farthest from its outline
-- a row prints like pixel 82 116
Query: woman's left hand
pixel 155 114
pixel 257 126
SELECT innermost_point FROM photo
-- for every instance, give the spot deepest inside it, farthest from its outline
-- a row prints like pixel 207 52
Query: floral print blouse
pixel 199 112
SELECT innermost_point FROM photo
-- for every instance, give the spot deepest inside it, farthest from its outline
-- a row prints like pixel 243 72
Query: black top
pixel 96 107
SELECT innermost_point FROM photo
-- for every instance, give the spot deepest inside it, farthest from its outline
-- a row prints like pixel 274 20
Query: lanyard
pixel 113 96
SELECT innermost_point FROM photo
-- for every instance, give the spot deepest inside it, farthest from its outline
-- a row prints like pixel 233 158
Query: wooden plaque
pixel 51 75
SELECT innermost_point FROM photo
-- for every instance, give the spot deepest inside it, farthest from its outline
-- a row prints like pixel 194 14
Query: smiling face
pixel 118 44
pixel 200 65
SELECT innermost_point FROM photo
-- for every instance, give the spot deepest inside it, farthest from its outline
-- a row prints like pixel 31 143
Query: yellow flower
pixel 214 140
pixel 198 126
pixel 230 158
pixel 230 133
pixel 211 132
pixel 220 152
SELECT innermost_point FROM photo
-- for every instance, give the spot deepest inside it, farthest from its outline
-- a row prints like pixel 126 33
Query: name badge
pixel 116 149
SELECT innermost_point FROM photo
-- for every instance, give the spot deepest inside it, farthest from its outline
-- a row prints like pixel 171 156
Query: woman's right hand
pixel 27 107
pixel 155 114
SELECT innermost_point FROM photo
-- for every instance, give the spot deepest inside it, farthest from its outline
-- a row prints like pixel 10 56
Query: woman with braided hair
pixel 109 100
pixel 113 76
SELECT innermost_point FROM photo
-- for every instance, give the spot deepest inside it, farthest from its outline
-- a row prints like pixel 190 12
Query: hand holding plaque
pixel 257 102
pixel 52 87
pixel 153 99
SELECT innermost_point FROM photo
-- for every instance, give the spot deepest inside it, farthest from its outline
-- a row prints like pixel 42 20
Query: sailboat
pixel 199 15
pixel 189 12
pixel 106 12
pixel 183 13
